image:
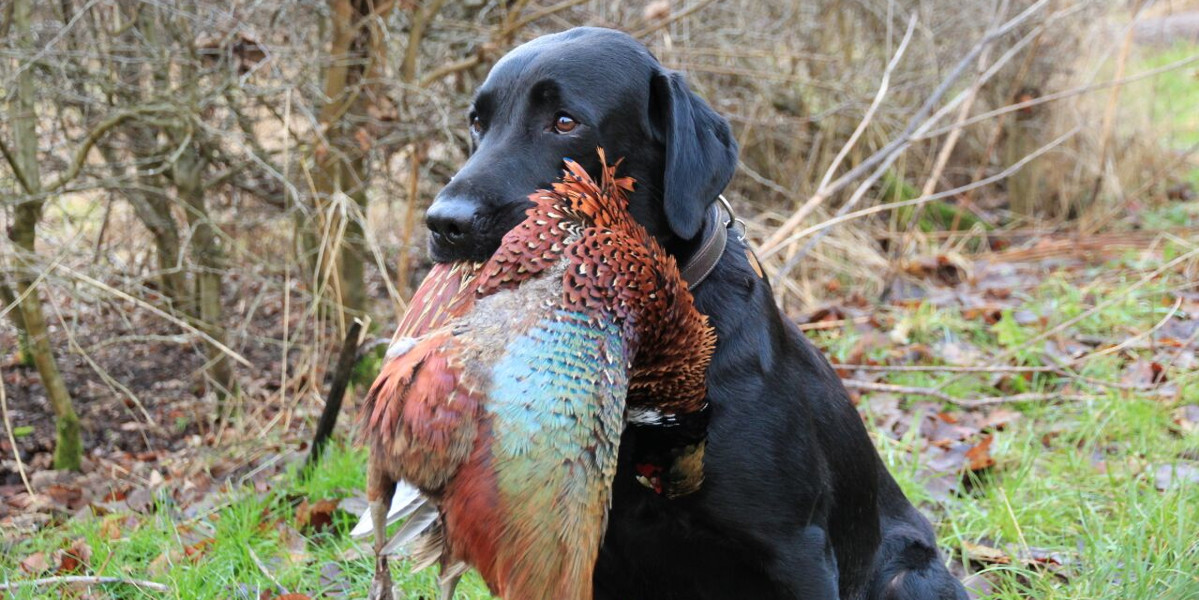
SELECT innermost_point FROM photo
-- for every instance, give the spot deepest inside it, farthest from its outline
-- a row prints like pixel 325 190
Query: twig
pixel 930 184
pixel 93 136
pixel 15 165
pixel 668 21
pixel 844 216
pixel 1113 99
pixel 963 402
pixel 946 368
pixel 1077 91
pixel 115 386
pixel 832 324
pixel 337 390
pixel 870 386
pixel 84 579
pixel 1134 339
pixel 917 126
pixel 1017 398
pixel 451 68
pixel 823 191
pixel 264 570
pixel 537 14
pixel 12 439
pixel 1087 313
pixel 420 21
pixel 154 309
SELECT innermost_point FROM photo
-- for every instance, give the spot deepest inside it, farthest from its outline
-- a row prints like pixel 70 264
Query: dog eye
pixel 476 126
pixel 564 123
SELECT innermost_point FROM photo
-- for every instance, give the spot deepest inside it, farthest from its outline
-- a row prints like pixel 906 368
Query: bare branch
pixel 918 123
pixel 869 386
pixel 538 14
pixel 420 22
pixel 80 157
pixel 664 23
pixel 86 580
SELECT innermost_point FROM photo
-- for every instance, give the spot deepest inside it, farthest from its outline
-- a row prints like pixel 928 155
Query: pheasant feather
pixel 497 416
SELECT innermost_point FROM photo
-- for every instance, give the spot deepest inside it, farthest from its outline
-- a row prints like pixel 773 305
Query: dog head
pixel 562 96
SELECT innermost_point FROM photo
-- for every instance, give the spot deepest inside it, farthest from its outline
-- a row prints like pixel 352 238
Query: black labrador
pixel 796 502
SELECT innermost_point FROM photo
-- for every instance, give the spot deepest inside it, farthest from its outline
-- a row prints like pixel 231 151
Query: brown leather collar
pixel 717 223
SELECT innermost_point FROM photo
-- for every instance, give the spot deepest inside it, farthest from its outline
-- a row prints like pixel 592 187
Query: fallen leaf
pixel 75 558
pixel 957 353
pixel 35 564
pixel 115 527
pixel 1166 477
pixel 999 419
pixel 980 455
pixel 1187 418
pixel 66 497
pixel 1144 373
pixel 985 554
pixel 161 566
pixel 315 517
pixel 197 550
pixel 331 575
pixel 139 500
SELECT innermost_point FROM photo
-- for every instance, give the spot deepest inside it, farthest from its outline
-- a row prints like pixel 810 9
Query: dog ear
pixel 701 153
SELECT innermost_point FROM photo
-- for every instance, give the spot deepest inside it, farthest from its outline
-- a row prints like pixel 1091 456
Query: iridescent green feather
pixel 557 403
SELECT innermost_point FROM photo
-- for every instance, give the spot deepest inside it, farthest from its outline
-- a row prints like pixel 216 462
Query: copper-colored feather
pixel 504 392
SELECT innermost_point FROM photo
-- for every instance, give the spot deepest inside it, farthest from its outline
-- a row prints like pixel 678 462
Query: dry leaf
pixel 980 455
pixel 35 564
pixel 315 517
pixel 1167 477
pixel 985 554
pixel 74 559
pixel 1187 418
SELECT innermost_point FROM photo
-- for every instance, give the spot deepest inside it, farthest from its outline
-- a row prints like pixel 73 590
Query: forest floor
pixel 1040 403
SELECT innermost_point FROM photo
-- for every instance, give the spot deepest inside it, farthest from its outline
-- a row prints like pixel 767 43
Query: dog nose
pixel 451 221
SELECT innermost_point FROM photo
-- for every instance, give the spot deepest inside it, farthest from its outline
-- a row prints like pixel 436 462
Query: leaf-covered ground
pixel 1040 403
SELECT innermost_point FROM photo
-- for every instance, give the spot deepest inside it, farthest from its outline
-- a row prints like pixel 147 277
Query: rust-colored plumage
pixel 506 387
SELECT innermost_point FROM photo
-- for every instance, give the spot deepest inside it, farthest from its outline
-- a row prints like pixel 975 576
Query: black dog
pixel 796 502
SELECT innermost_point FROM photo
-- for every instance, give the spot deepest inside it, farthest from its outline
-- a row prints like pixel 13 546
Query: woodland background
pixel 982 210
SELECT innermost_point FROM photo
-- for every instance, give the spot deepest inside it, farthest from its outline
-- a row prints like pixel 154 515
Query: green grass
pixel 1175 93
pixel 244 530
pixel 1072 478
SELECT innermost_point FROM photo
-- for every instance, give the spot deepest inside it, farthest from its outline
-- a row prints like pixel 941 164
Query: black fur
pixel 796 503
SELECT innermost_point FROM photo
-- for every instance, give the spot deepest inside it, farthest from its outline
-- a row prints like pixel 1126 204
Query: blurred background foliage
pixel 200 195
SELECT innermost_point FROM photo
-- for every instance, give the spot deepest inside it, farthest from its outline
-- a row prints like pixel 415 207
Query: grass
pixel 1073 480
pixel 1174 95
pixel 244 546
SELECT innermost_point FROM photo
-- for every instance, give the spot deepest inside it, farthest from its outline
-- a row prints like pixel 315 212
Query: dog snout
pixel 451 221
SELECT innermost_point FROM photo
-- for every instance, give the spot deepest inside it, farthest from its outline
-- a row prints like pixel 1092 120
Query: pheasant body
pixel 505 393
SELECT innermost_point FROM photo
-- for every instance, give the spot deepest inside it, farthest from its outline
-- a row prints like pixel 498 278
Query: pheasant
pixel 495 421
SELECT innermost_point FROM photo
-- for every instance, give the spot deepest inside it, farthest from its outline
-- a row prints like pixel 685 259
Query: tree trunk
pixel 68 449
pixel 153 209
pixel 356 56
pixel 24 350
pixel 1023 187
pixel 206 253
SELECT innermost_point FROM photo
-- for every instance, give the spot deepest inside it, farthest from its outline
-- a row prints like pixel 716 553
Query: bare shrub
pixel 213 159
